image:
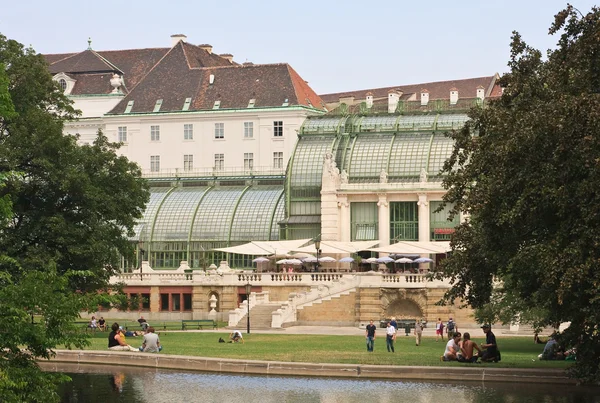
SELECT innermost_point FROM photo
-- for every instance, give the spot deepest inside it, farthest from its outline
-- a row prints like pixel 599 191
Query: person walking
pixel 370 336
pixel 451 328
pixel 439 330
pixel 390 337
pixel 418 332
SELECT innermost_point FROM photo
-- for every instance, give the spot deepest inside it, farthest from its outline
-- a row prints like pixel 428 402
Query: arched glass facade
pixel 186 223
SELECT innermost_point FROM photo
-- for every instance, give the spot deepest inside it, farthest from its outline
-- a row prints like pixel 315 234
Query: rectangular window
pixel 146 302
pixel 164 302
pixel 364 221
pixel 122 134
pixel 248 160
pixel 278 129
pixel 154 133
pixel 188 162
pixel 441 228
pixel 248 130
pixel 404 221
pixel 155 163
pixel 219 162
pixel 176 301
pixel 187 302
pixel 188 131
pixel 278 160
pixel 219 130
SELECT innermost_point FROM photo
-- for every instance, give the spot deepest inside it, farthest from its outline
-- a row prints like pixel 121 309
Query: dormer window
pixel 65 83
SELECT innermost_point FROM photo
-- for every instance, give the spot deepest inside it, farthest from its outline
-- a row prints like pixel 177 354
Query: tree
pixel 526 170
pixel 66 212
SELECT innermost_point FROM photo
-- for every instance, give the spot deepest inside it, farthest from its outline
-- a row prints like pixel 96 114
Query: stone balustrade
pixel 240 278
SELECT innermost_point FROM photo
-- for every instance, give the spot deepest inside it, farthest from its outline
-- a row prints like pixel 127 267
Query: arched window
pixel 63 84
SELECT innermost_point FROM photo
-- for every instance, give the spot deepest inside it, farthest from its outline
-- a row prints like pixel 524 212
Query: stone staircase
pixel 260 316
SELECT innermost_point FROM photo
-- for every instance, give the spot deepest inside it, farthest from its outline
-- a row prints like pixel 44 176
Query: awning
pixel 411 247
pixel 258 248
pixel 340 247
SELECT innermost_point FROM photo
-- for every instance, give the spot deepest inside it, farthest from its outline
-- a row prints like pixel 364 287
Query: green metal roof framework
pixel 235 214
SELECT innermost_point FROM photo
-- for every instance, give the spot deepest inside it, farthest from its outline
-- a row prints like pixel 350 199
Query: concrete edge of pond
pixel 255 367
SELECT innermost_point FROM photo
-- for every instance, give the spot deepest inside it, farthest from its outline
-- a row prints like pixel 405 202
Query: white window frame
pixel 219 130
pixel 188 131
pixel 248 161
pixel 155 133
pixel 278 128
pixel 122 134
pixel 278 159
pixel 155 163
pixel 188 162
pixel 248 130
pixel 219 162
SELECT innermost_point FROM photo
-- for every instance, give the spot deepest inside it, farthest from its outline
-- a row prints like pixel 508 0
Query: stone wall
pixel 338 311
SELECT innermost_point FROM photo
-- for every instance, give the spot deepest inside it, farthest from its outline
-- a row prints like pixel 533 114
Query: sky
pixel 335 46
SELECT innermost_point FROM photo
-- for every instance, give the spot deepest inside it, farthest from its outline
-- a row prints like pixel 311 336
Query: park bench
pixel 403 324
pixel 199 324
pixel 84 325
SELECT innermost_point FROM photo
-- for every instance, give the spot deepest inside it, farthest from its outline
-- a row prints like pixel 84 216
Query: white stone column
pixel 424 224
pixel 344 220
pixel 384 220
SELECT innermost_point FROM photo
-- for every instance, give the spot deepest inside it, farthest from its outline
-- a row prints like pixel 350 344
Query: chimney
pixel 176 38
pixel 480 92
pixel 206 47
pixel 424 97
pixel 227 56
pixel 453 95
pixel 393 99
pixel 369 99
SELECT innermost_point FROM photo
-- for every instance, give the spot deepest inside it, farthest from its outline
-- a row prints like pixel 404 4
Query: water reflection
pixel 132 385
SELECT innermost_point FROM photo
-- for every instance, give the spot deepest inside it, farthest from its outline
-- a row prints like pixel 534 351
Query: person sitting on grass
pixel 116 340
pixel 552 350
pixel 491 353
pixel 452 348
pixel 151 342
pixel 236 336
pixel 466 350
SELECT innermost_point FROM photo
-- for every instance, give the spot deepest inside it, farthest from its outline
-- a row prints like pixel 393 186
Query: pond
pixel 132 385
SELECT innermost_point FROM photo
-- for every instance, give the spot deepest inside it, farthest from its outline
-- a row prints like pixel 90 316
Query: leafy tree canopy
pixel 526 170
pixel 65 214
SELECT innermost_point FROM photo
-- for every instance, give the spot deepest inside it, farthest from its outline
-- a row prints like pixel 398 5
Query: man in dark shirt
pixel 490 346
pixel 370 335
pixel 143 323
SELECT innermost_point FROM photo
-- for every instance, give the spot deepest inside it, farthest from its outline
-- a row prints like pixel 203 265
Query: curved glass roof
pixel 307 160
pixel 234 213
pixel 402 145
pixel 325 125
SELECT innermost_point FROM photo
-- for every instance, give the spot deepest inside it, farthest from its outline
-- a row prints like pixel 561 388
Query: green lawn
pixel 517 352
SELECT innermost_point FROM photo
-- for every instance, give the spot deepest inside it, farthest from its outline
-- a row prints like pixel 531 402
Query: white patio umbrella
pixel 371 260
pixel 423 260
pixel 346 260
pixel 385 259
pixel 310 259
pixel 327 259
pixel 261 259
pixel 282 261
pixel 404 260
pixel 294 261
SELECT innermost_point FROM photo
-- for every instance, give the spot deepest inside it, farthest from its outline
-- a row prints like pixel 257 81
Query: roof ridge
pixel 149 71
pixel 106 61
pixel 408 85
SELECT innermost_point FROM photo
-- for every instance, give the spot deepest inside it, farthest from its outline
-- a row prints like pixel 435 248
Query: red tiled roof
pixel 437 90
pixel 183 72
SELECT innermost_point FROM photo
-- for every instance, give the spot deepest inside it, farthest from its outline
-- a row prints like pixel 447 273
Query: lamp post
pixel 318 247
pixel 142 252
pixel 248 290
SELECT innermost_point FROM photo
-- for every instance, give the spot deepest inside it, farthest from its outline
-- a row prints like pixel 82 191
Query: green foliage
pixel 527 171
pixel 65 214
